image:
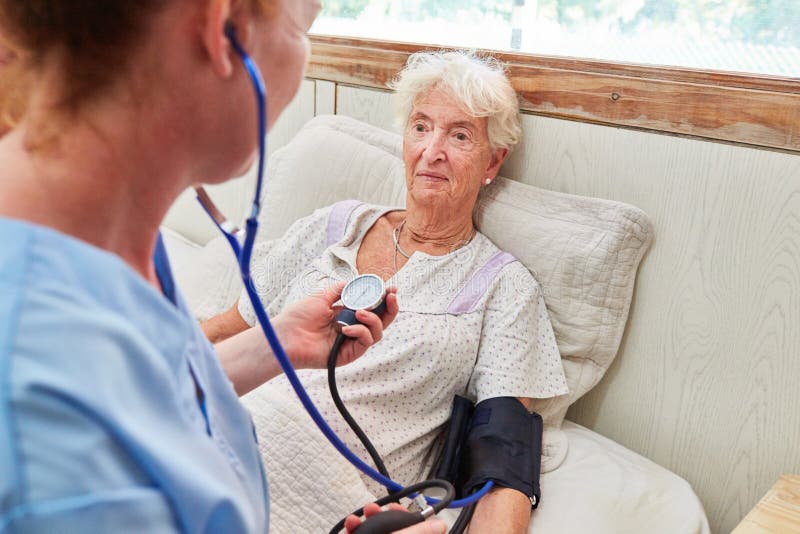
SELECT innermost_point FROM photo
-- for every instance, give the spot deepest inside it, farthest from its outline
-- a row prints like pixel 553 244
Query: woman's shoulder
pixel 62 293
pixel 494 255
pixel 357 209
pixel 337 217
pixel 506 267
pixel 349 220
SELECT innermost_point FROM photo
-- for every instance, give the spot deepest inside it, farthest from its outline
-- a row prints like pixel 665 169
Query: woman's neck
pixel 109 191
pixel 436 231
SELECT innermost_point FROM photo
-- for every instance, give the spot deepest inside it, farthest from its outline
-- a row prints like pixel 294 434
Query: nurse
pixel 115 413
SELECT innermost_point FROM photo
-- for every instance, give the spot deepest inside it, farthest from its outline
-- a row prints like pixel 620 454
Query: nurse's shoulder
pixel 80 382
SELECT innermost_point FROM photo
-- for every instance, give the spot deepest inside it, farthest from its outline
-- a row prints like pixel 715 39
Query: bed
pixel 585 253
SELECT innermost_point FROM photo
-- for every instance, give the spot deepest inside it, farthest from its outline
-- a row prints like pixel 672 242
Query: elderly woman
pixel 116 414
pixel 472 319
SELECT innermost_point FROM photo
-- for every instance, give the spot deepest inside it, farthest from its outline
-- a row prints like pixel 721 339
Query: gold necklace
pixel 397 248
pixel 396 237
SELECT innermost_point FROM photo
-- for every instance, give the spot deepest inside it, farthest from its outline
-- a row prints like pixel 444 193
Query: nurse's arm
pixel 306 332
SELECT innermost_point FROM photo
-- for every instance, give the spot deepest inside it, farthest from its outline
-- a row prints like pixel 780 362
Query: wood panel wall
pixel 706 383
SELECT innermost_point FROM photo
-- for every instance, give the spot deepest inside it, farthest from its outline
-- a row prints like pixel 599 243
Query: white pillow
pixel 584 252
pixel 208 275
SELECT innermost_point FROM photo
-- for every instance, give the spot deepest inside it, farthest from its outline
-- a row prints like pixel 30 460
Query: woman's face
pixel 447 154
pixel 279 46
pixel 282 51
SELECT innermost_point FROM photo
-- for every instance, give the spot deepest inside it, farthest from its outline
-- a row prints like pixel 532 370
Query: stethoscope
pixel 363 292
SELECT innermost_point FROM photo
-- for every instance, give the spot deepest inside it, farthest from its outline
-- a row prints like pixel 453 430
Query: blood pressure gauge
pixel 364 292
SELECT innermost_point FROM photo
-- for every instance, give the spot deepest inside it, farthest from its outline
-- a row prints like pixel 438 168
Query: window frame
pixel 748 109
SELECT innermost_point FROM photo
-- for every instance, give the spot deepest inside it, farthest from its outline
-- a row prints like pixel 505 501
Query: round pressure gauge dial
pixel 364 292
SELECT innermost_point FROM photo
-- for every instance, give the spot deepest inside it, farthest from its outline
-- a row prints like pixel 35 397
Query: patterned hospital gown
pixel 471 322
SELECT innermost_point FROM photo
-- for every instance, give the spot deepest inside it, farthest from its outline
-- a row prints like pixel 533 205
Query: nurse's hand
pixel 431 526
pixel 307 333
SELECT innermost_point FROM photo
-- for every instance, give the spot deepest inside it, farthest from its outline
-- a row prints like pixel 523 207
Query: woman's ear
pixel 220 14
pixel 498 157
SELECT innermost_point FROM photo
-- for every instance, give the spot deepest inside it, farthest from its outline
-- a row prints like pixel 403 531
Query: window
pixel 647 64
pixel 752 36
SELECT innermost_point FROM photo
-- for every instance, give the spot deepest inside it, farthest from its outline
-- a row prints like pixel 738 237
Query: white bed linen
pixel 601 488
pixel 604 488
pixel 208 275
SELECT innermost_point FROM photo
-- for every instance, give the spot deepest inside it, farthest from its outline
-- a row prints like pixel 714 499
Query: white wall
pixel 706 382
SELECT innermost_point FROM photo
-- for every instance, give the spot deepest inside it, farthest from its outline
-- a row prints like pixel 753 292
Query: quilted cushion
pixel 583 251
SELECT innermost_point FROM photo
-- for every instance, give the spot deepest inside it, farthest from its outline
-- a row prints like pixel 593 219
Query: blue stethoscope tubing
pixel 243 254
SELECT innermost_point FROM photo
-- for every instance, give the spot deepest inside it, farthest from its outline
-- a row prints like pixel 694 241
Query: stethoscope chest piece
pixel 364 292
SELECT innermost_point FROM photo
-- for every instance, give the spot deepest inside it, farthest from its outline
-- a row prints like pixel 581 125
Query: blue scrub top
pixel 115 414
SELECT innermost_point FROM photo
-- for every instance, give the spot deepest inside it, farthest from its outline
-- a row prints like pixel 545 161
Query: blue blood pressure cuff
pixel 503 443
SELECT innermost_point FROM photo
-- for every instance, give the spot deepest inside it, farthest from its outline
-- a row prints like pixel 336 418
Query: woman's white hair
pixel 478 83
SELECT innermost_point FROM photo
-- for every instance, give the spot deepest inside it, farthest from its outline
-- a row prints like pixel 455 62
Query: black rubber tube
pixel 337 400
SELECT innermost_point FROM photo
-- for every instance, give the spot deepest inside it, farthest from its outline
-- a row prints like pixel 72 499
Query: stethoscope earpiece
pixel 229 30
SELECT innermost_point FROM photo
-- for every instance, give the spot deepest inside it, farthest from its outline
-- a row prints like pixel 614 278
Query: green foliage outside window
pixel 418 9
pixel 764 22
pixel 770 22
pixel 344 8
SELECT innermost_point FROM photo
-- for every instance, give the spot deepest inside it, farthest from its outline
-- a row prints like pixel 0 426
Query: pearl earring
pixel 488 181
